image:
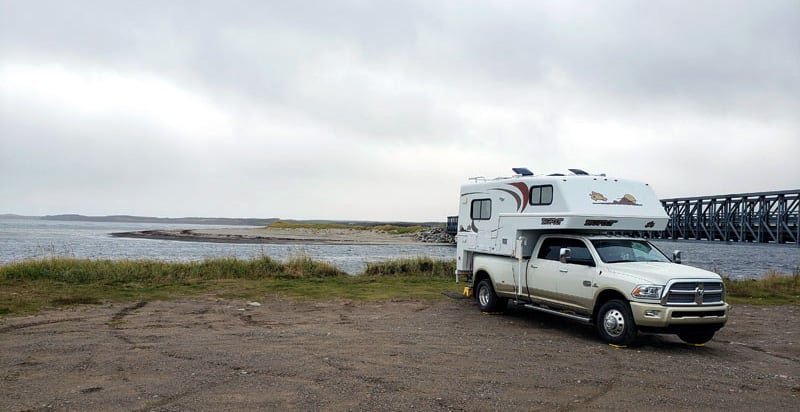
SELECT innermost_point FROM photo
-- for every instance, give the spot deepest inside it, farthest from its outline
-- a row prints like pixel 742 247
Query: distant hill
pixel 178 220
pixel 13 216
pixel 223 221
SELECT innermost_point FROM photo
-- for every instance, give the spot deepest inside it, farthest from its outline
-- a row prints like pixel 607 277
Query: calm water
pixel 22 239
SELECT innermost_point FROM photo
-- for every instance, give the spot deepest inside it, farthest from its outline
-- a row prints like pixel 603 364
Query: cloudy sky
pixel 381 109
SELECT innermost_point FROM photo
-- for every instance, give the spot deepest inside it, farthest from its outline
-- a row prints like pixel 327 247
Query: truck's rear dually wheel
pixel 615 323
pixel 488 301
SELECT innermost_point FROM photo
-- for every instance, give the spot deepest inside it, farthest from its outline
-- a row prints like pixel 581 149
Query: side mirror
pixel 564 254
pixel 676 256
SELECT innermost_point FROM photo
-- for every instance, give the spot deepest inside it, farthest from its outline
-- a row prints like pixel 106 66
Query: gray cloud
pixel 294 108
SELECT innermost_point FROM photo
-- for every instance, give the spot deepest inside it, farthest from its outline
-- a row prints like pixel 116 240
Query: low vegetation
pixel 54 282
pixel 393 229
pixel 422 267
pixel 773 289
pixel 35 285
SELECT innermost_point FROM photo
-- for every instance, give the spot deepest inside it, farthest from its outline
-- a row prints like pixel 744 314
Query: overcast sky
pixel 379 110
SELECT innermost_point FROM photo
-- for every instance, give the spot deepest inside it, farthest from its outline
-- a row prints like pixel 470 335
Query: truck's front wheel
pixel 615 323
pixel 488 301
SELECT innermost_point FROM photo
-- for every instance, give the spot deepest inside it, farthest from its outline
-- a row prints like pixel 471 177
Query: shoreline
pixel 278 236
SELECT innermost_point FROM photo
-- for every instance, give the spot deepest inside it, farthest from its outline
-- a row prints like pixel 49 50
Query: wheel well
pixel 605 296
pixel 479 276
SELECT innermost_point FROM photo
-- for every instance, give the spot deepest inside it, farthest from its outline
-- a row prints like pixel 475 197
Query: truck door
pixel 577 276
pixel 567 284
pixel 543 270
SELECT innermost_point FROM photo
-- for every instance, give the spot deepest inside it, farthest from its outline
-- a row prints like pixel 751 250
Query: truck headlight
pixel 647 291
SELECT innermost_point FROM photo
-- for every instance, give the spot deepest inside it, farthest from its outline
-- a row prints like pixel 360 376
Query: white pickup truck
pixel 544 242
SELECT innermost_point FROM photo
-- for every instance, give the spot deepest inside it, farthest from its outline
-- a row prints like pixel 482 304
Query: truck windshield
pixel 627 250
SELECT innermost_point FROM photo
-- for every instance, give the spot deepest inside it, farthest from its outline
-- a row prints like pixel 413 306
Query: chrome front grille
pixel 694 293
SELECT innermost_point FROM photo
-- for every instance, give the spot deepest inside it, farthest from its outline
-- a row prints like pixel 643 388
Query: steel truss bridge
pixel 763 217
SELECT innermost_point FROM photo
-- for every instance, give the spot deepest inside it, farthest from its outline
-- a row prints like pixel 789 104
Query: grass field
pixel 50 283
pixel 32 286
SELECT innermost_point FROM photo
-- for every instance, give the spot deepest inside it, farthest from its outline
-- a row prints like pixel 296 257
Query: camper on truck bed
pixel 542 241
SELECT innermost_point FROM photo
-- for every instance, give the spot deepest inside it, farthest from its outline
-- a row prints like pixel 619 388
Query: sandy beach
pixel 277 236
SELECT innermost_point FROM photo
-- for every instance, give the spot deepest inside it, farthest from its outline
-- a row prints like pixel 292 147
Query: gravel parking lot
pixel 214 354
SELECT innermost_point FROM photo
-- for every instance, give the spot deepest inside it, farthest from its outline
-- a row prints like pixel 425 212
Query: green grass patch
pixel 774 289
pixel 419 266
pixel 51 283
pixel 75 300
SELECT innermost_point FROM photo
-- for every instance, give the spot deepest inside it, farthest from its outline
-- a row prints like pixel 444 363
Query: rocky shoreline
pixel 436 234
pixel 293 236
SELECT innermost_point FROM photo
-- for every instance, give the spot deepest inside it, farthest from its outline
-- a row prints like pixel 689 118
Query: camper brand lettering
pixel 599 222
pixel 552 221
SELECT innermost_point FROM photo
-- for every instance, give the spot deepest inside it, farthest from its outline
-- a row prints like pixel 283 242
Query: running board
pixel 579 318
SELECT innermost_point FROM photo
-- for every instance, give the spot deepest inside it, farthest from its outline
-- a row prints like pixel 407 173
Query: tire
pixel 488 301
pixel 615 323
pixel 697 338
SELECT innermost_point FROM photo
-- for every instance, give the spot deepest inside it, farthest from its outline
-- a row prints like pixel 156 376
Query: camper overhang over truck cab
pixel 543 241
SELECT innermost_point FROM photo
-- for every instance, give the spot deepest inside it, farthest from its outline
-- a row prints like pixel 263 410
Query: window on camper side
pixel 541 195
pixel 481 209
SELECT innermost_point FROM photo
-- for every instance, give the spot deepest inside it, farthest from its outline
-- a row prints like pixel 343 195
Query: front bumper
pixel 654 315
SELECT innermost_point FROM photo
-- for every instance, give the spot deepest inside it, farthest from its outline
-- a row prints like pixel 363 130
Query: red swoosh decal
pixel 526 194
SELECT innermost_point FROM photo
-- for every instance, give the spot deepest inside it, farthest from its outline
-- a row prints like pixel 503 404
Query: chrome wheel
pixel 488 301
pixel 484 296
pixel 614 323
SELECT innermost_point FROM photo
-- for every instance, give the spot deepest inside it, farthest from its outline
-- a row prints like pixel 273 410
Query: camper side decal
pixel 519 191
pixel 521 195
pixel 626 199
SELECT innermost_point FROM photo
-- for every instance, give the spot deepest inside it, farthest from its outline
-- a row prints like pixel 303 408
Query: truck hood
pixel 659 272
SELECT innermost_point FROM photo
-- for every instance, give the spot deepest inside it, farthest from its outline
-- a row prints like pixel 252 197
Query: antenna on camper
pixel 522 171
pixel 578 172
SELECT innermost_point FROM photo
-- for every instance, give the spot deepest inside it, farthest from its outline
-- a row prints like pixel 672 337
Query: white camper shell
pixel 504 216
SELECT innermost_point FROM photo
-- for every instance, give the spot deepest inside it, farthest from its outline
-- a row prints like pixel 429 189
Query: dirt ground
pixel 404 355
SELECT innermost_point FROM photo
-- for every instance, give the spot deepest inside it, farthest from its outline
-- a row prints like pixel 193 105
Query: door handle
pixel 563 270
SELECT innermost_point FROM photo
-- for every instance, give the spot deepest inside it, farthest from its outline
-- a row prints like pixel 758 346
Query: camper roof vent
pixel 522 171
pixel 579 172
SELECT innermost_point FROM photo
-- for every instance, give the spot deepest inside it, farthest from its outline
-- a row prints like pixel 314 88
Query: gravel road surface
pixel 213 354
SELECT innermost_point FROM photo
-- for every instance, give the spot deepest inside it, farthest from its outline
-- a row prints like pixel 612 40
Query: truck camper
pixel 544 242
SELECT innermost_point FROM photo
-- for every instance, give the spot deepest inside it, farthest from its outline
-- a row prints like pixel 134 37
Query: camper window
pixel 481 209
pixel 541 195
